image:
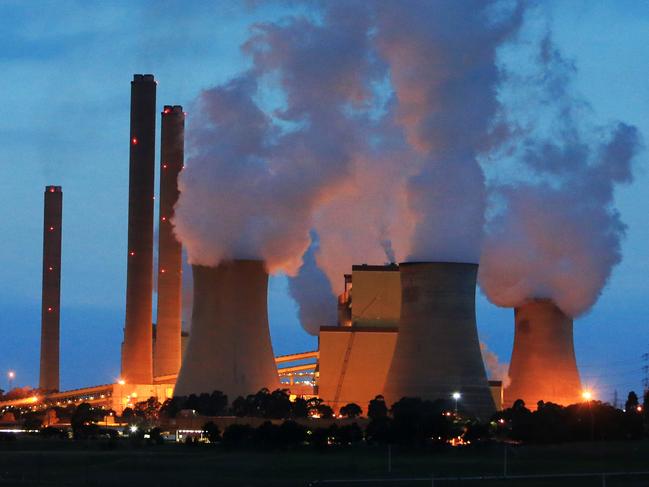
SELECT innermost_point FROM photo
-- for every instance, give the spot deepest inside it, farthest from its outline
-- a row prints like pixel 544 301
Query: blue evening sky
pixel 65 69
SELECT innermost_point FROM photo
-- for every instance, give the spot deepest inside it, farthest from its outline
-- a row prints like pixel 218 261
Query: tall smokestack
pixel 166 358
pixel 437 351
pixel 543 365
pixel 51 298
pixel 137 366
pixel 229 347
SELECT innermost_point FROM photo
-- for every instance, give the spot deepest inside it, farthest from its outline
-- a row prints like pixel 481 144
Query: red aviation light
pixel 167 110
pixel 134 140
pixel 164 218
pixel 131 253
pixel 165 166
pixel 51 229
pixel 52 190
pixel 163 271
pixel 50 268
pixel 49 310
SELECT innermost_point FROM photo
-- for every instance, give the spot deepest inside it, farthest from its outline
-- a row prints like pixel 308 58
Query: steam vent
pixel 166 356
pixel 437 351
pixel 50 313
pixel 137 354
pixel 543 365
pixel 229 347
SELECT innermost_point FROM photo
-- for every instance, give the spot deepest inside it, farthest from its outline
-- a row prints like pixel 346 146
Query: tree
pixel 212 432
pixel 237 435
pixel 81 419
pixel 325 411
pixel 149 409
pixel 351 410
pixel 377 408
pixel 291 434
pixel 349 434
pixel 631 405
pixel 300 408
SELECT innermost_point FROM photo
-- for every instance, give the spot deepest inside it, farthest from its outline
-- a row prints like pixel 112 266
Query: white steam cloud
pixel 556 234
pixel 384 116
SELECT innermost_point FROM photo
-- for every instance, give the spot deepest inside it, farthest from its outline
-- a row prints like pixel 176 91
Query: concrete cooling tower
pixel 437 351
pixel 229 347
pixel 543 364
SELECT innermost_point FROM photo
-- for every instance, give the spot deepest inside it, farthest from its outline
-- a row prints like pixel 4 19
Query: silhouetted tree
pixel 351 410
pixel 237 435
pixel 300 408
pixel 291 434
pixel 377 408
pixel 631 404
pixel 212 432
pixel 379 430
pixel 149 409
pixel 325 411
pixel 349 434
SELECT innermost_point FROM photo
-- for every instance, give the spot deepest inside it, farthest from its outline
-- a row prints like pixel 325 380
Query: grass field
pixel 59 463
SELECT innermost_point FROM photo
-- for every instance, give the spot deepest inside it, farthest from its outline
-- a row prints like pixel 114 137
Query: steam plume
pixel 311 290
pixel 557 235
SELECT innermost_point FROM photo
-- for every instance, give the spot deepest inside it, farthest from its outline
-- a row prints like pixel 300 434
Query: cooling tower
pixel 437 351
pixel 166 356
pixel 543 365
pixel 229 347
pixel 51 297
pixel 137 355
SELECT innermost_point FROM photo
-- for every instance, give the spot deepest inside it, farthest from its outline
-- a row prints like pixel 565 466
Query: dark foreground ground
pixel 65 463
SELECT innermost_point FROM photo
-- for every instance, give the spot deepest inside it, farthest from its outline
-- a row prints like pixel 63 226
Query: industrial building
pixel 543 365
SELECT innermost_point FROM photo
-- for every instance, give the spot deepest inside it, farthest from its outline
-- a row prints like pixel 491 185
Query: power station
pixel 406 330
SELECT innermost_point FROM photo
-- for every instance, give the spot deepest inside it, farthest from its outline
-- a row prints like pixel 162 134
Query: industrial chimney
pixel 137 356
pixel 543 365
pixel 229 347
pixel 51 298
pixel 437 351
pixel 166 356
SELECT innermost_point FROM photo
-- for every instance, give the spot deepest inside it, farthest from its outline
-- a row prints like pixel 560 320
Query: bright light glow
pixel 639 409
pixel 121 382
pixel 131 253
pixel 11 374
pixel 133 428
pixel 587 395
pixel 51 229
pixel 134 141
pixel 456 395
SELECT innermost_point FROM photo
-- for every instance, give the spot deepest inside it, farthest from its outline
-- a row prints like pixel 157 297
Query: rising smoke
pixel 381 121
pixel 555 233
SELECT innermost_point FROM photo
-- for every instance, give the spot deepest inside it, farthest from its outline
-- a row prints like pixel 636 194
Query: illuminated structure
pixel 167 350
pixel 437 350
pixel 353 363
pixel 355 356
pixel 229 347
pixel 51 295
pixel 543 365
pixel 137 356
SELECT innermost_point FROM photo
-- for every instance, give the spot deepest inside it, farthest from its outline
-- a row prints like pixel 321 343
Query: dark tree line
pixel 263 404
